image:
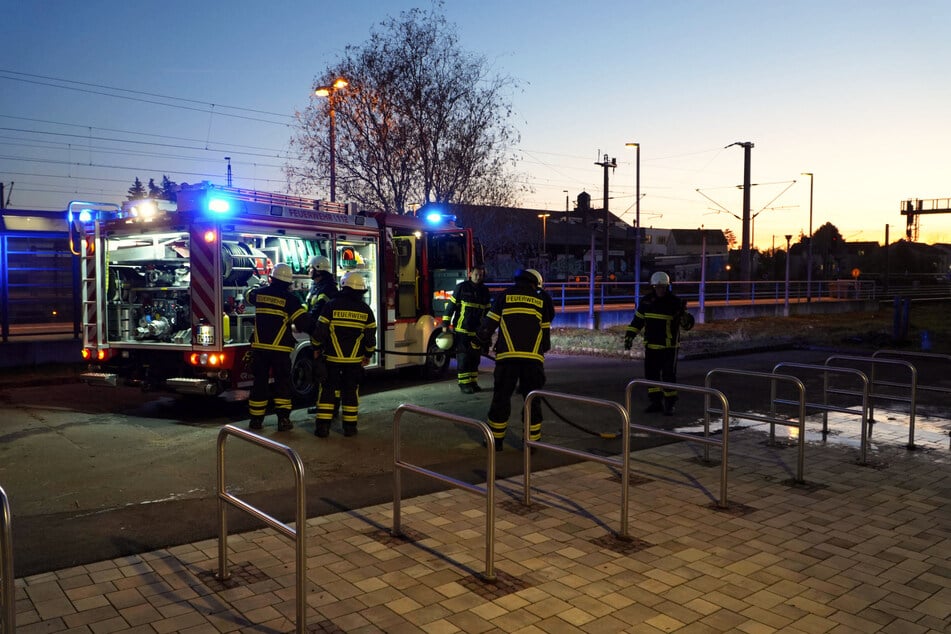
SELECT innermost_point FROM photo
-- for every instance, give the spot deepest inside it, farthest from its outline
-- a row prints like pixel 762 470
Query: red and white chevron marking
pixel 204 276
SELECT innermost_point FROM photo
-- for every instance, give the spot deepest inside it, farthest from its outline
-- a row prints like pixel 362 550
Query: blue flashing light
pixel 219 205
pixel 434 218
pixel 85 215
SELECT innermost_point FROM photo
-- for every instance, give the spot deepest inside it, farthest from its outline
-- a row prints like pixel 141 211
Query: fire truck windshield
pixel 448 251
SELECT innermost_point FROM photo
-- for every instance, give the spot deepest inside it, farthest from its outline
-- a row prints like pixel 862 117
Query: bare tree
pixel 420 121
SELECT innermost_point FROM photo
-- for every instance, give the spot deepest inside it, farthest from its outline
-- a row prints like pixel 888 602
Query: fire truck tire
pixel 302 377
pixel 437 360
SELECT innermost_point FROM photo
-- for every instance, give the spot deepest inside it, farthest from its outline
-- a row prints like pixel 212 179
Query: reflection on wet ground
pixel 890 429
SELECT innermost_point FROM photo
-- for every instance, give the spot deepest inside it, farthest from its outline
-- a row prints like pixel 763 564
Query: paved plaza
pixel 851 548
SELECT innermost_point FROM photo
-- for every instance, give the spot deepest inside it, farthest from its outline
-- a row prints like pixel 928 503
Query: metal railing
pixel 705 440
pixel 912 400
pixel 488 491
pixel 924 356
pixel 825 407
pixel 624 463
pixel 772 418
pixel 7 585
pixel 297 535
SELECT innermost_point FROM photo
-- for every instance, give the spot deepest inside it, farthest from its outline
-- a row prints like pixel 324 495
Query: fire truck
pixel 163 284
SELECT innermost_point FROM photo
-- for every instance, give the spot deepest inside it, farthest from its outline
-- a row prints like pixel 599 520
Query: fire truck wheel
pixel 437 360
pixel 302 379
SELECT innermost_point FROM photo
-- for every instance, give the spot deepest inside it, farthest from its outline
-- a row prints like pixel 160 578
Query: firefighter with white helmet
pixel 660 314
pixel 276 308
pixel 466 308
pixel 345 337
pixel 523 314
pixel 323 288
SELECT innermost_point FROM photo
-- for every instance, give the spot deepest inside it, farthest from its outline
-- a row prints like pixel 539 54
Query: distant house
pixel 559 243
pixel 678 252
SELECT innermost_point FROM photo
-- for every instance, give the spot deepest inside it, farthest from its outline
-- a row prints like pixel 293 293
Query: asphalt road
pixel 97 473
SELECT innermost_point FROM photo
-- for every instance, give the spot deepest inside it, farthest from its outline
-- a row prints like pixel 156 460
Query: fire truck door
pixel 407 276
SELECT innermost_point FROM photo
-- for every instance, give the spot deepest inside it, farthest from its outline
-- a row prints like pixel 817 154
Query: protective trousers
pixel 660 364
pixel 264 365
pixel 345 379
pixel 467 360
pixel 526 375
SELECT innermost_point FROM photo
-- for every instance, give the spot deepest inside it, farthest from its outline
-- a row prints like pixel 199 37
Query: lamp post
pixel 330 92
pixel 786 303
pixel 544 218
pixel 809 247
pixel 637 219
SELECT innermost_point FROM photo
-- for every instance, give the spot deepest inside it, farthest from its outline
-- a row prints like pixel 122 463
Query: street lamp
pixel 809 248
pixel 544 218
pixel 637 219
pixel 330 92
pixel 786 304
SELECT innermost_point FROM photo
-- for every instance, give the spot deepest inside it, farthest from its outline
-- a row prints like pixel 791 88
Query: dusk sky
pixel 96 93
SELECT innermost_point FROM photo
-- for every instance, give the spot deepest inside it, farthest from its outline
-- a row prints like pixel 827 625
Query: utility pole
pixel 606 163
pixel 746 261
pixel 228 158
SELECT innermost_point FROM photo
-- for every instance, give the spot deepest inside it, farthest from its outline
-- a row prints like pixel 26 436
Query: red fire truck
pixel 164 284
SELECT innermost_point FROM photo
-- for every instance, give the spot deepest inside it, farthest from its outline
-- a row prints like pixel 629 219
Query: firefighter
pixel 345 336
pixel 660 314
pixel 467 306
pixel 323 288
pixel 276 309
pixel 523 314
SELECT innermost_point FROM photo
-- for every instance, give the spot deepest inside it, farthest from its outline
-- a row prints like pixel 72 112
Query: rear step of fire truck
pixel 107 379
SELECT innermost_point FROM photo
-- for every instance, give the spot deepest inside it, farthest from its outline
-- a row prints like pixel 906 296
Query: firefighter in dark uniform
pixel 660 315
pixel 523 315
pixel 467 306
pixel 323 288
pixel 276 308
pixel 346 337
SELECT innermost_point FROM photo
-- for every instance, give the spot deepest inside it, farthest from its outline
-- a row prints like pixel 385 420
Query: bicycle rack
pixel 772 419
pixel 624 463
pixel 705 440
pixel 297 535
pixel 7 586
pixel 488 491
pixel 825 407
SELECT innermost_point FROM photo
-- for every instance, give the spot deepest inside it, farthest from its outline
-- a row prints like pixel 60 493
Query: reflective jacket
pixel 275 309
pixel 523 316
pixel 321 291
pixel 346 329
pixel 660 319
pixel 467 307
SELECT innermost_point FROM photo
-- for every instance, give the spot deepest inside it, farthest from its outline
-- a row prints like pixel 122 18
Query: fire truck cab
pixel 164 284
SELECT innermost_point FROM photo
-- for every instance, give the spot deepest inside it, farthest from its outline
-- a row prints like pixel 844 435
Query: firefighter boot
pixel 284 422
pixel 256 422
pixel 669 405
pixel 654 407
pixel 321 428
pixel 350 430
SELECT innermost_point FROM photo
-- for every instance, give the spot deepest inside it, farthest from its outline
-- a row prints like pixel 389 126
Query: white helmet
pixel 320 263
pixel 529 275
pixel 660 279
pixel 354 280
pixel 282 272
pixel 444 340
